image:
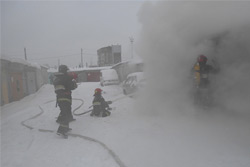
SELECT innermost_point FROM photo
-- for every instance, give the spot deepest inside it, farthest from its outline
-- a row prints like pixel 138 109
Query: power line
pixel 25 55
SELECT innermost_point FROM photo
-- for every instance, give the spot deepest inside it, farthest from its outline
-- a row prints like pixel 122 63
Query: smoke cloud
pixel 175 33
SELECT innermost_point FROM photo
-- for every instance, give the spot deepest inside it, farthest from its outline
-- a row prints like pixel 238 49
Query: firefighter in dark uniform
pixel 202 84
pixel 100 106
pixel 202 71
pixel 64 84
pixel 74 78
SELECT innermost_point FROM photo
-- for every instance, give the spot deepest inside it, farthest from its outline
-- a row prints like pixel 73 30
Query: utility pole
pixel 131 40
pixel 81 59
pixel 58 63
pixel 25 55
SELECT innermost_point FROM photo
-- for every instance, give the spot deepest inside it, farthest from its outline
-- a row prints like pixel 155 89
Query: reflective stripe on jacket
pixel 96 103
pixel 64 100
pixel 59 87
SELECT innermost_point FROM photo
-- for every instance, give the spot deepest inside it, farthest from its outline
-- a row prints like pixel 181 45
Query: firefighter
pixel 100 106
pixel 202 71
pixel 64 84
pixel 202 81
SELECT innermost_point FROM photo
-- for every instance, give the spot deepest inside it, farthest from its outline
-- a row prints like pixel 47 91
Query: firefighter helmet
pixel 98 91
pixel 202 58
pixel 63 69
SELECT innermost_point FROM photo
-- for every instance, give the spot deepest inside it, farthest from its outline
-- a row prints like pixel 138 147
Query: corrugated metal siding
pixel 19 80
pixel 16 86
pixel 31 82
pixel 89 76
pixel 4 88
pixel 39 78
pixel 93 76
pixel 25 87
pixel 82 77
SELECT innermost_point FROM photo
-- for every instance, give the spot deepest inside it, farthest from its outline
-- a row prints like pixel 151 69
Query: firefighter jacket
pixel 202 74
pixel 64 84
pixel 99 104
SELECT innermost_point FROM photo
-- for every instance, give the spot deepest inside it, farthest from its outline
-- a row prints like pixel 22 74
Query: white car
pixel 133 83
pixel 109 77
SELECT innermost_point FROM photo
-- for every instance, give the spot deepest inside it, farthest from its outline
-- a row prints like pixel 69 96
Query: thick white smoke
pixel 175 33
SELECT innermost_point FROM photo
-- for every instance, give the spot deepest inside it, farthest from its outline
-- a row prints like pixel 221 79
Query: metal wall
pixel 89 76
pixel 4 88
pixel 16 86
pixel 31 82
pixel 19 80
pixel 93 76
pixel 82 77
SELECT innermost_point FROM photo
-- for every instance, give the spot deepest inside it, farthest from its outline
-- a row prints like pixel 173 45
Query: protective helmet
pixel 98 91
pixel 63 69
pixel 202 59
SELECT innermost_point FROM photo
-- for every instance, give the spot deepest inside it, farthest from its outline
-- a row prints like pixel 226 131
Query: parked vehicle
pixel 133 83
pixel 109 77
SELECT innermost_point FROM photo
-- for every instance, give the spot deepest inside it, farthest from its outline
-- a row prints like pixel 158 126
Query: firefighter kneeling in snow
pixel 64 84
pixel 100 106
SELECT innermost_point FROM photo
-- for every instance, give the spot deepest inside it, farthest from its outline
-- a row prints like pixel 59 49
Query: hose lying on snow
pixel 110 152
pixel 85 112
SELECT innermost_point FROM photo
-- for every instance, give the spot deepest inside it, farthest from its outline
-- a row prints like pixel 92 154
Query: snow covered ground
pixel 126 138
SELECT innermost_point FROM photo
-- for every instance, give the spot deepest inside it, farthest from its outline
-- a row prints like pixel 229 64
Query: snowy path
pixel 115 157
pixel 82 151
pixel 128 137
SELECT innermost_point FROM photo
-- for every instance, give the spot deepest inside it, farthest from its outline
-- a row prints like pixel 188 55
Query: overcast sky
pixel 53 30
